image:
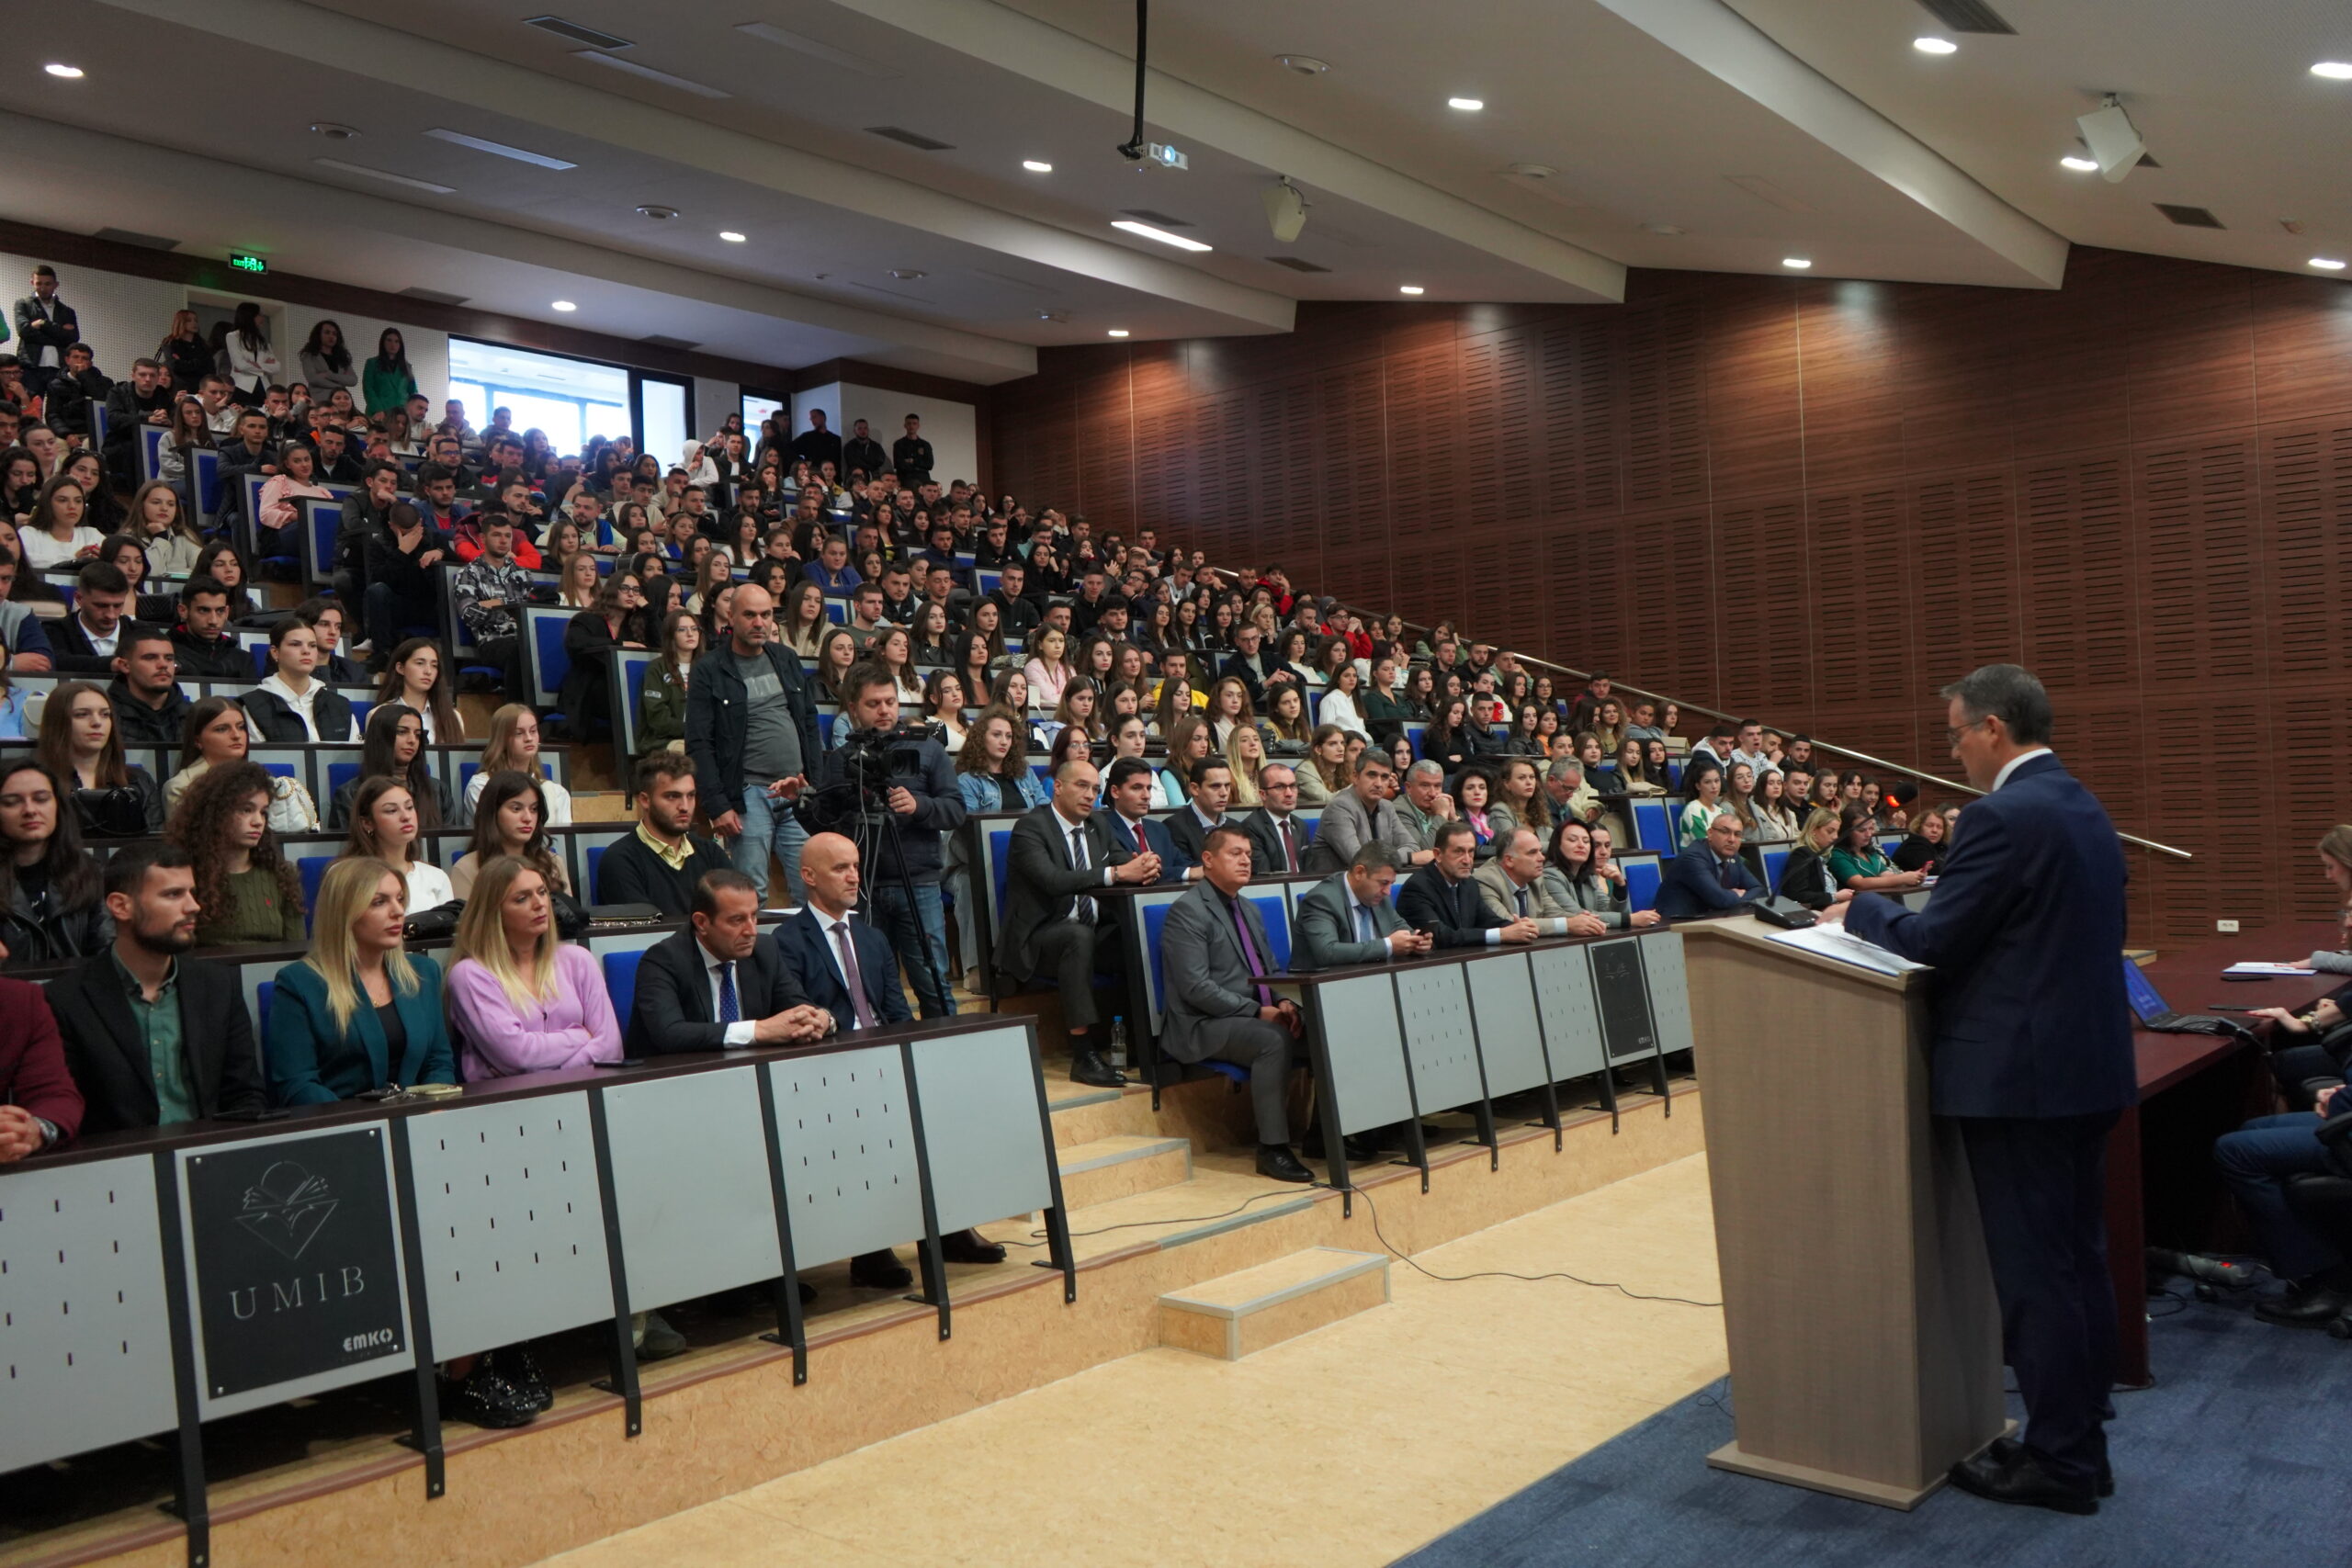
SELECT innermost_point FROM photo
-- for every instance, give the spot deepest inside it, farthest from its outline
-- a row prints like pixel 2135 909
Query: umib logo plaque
pixel 297 1263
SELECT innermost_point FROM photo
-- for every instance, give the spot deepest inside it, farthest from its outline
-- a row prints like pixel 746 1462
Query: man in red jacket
pixel 40 1107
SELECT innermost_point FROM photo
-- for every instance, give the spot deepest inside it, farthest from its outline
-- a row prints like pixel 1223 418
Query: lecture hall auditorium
pixel 983 781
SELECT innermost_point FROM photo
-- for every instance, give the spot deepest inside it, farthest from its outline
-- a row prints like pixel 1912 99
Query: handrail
pixel 1936 779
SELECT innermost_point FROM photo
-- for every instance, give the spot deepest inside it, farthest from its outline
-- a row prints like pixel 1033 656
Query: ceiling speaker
pixel 2113 140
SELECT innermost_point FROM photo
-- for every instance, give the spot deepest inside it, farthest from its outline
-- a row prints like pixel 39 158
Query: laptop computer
pixel 2152 1012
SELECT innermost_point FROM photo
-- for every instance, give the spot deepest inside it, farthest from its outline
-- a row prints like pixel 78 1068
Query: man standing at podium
pixel 2032 1060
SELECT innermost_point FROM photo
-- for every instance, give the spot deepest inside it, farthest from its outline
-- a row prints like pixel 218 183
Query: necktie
pixel 1249 956
pixel 1521 895
pixel 850 973
pixel 1364 931
pixel 730 1010
pixel 1290 847
pixel 1081 908
pixel 1722 872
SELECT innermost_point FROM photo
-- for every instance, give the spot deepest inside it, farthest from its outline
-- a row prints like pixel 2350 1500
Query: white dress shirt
pixel 740 1032
pixel 2011 765
pixel 1363 918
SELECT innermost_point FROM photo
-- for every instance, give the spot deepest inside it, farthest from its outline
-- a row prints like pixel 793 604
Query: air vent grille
pixel 432 296
pixel 1967 15
pixel 910 138
pixel 2191 217
pixel 1297 263
pixel 674 343
pixel 578 33
pixel 132 237
pixel 1157 219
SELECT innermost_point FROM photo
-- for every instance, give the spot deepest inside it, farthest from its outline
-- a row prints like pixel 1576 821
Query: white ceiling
pixel 1773 128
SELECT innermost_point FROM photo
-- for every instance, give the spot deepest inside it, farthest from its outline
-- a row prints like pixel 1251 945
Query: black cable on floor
pixel 1197 1220
pixel 1506 1274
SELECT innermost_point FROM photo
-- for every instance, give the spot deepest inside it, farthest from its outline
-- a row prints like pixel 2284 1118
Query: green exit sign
pixel 243 263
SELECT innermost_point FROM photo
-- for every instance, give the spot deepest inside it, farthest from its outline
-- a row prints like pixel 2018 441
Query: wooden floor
pixel 1349 1445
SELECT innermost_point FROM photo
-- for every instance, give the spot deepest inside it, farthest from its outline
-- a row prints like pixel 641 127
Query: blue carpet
pixel 2238 1455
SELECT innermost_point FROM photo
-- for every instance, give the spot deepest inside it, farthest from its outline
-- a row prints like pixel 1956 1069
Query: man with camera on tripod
pixel 892 792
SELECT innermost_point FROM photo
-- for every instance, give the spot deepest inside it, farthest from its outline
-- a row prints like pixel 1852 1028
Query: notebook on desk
pixel 2150 1009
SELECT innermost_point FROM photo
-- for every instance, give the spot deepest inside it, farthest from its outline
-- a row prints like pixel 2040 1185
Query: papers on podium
pixel 2251 970
pixel 1837 942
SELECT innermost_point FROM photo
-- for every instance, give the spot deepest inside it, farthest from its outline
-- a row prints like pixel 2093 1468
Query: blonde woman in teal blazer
pixel 359 1012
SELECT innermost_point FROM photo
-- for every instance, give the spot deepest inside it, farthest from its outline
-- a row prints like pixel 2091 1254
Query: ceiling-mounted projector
pixel 1285 210
pixel 2113 140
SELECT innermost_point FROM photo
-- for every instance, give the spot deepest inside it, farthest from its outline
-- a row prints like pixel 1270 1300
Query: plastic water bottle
pixel 1119 1041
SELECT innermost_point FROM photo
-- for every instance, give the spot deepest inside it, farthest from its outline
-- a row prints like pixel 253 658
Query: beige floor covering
pixel 1348 1446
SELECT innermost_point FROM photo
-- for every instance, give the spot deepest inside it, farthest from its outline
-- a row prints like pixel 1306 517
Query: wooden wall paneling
pixel 1663 391
pixel 1221 477
pixel 1578 366
pixel 2302 347
pixel 1498 431
pixel 1284 468
pixel 2307 519
pixel 2077 548
pixel 1679 603
pixel 1509 594
pixel 2197 516
pixel 2242 869
pixel 1423 407
pixel 1755 412
pixel 2189 346
pixel 2068 390
pixel 1859 628
pixel 1603 601
pixel 1958 345
pixel 1763 652
pixel 1106 438
pixel 1164 460
pixel 1353 480
pixel 1849 355
pixel 1966 557
pixel 2313 757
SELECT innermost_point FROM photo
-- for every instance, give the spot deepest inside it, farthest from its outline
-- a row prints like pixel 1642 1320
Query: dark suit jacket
pixel 807 948
pixel 1323 931
pixel 1266 839
pixel 1040 881
pixel 1806 879
pixel 108 1059
pixel 1452 913
pixel 1687 886
pixel 1154 839
pixel 2024 929
pixel 1191 840
pixel 70 649
pixel 673 1012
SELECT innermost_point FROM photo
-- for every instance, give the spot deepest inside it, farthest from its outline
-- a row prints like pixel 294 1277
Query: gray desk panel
pixel 1510 1041
pixel 1669 991
pixel 980 1127
pixel 849 1177
pixel 690 1174
pixel 1434 1004
pixel 510 1226
pixel 86 1347
pixel 1367 1051
pixel 1563 1002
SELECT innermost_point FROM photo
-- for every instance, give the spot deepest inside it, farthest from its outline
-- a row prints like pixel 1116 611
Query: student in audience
pixel 1245 753
pixel 1215 948
pixel 57 532
pixel 384 826
pixel 510 819
pixel 1807 877
pixel 1048 669
pixel 1922 849
pixel 282 494
pixel 1190 742
pixel 1857 862
pixel 1709 877
pixel 991 772
pixel 291 705
pixel 521 1000
pixel 1512 885
pixel 152 1037
pixel 663 688
pixel 1283 726
pixel 326 617
pixel 1575 877
pixel 386 382
pixel 1443 897
pixel 79 743
pixel 1703 778
pixel 661 861
pixel 216 737
pixel 1449 742
pixel 1521 800
pixel 358 1011
pixel 1052 924
pixel 512 741
pixel 246 892
pixel 185 433
pixel 252 364
pixel 1773 821
pixel 41 1106
pixel 1323 772
pixel 577 581
pixel 1229 709
pixel 417 678
pixel 1474 790
pixel 84 641
pixel 401 591
pixel 201 643
pixel 1203 811
pixel 149 707
pixel 392 746
pixel 1124 815
pixel 803 619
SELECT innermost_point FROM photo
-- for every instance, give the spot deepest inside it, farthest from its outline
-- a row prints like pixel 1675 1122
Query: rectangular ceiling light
pixel 1163 235
pixel 386 175
pixel 578 32
pixel 647 74
pixel 498 149
pixel 817 50
pixel 914 139
pixel 1297 263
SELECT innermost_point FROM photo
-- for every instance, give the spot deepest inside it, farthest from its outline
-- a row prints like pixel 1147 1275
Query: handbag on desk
pixel 116 813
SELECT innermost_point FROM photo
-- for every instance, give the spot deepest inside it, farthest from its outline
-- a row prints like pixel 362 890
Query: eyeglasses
pixel 1952 736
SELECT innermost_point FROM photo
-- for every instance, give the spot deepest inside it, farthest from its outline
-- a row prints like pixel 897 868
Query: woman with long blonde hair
pixel 520 1001
pixel 358 1011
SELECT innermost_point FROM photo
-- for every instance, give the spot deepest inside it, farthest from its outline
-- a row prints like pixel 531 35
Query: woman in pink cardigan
pixel 520 1001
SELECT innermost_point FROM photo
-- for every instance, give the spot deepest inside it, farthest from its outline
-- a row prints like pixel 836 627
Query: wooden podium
pixel 1865 1340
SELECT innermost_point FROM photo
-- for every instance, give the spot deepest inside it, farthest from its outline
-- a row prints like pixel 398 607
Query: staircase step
pixel 1122 1165
pixel 1081 1114
pixel 1231 1316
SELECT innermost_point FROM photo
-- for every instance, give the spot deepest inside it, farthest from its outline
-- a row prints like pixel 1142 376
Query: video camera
pixel 871 761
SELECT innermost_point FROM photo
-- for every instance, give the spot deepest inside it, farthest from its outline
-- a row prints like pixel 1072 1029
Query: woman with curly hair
pixel 245 891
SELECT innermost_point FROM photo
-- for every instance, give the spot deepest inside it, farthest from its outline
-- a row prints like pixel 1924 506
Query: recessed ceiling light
pixel 1304 64
pixel 2333 70
pixel 482 144
pixel 730 236
pixel 1935 46
pixel 907 274
pixel 1118 332
pixel 647 74
pixel 1796 263
pixel 657 213
pixel 67 72
pixel 1036 165
pixel 2328 264
pixel 334 130
pixel 566 306
pixel 1470 105
pixel 1409 289
pixel 2080 165
pixel 1163 235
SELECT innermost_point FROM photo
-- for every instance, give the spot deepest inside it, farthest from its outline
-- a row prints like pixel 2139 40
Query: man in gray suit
pixel 1346 919
pixel 1212 949
pixel 1511 887
pixel 1363 814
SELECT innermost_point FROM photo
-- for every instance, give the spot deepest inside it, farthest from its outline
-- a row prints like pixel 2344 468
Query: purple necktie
pixel 1249 956
pixel 850 972
pixel 1723 874
pixel 1290 847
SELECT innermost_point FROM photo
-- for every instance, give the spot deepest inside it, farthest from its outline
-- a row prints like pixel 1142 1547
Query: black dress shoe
pixel 971 1246
pixel 485 1398
pixel 1088 1068
pixel 1361 1150
pixel 519 1367
pixel 2021 1479
pixel 879 1271
pixel 2004 1449
pixel 1276 1161
pixel 2303 1306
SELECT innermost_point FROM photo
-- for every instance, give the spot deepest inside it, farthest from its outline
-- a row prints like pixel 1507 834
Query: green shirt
pixel 1844 863
pixel 257 911
pixel 158 1023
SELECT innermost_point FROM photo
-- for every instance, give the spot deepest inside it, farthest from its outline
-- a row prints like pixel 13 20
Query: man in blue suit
pixel 2032 1059
pixel 1709 878
pixel 847 968
pixel 1128 791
